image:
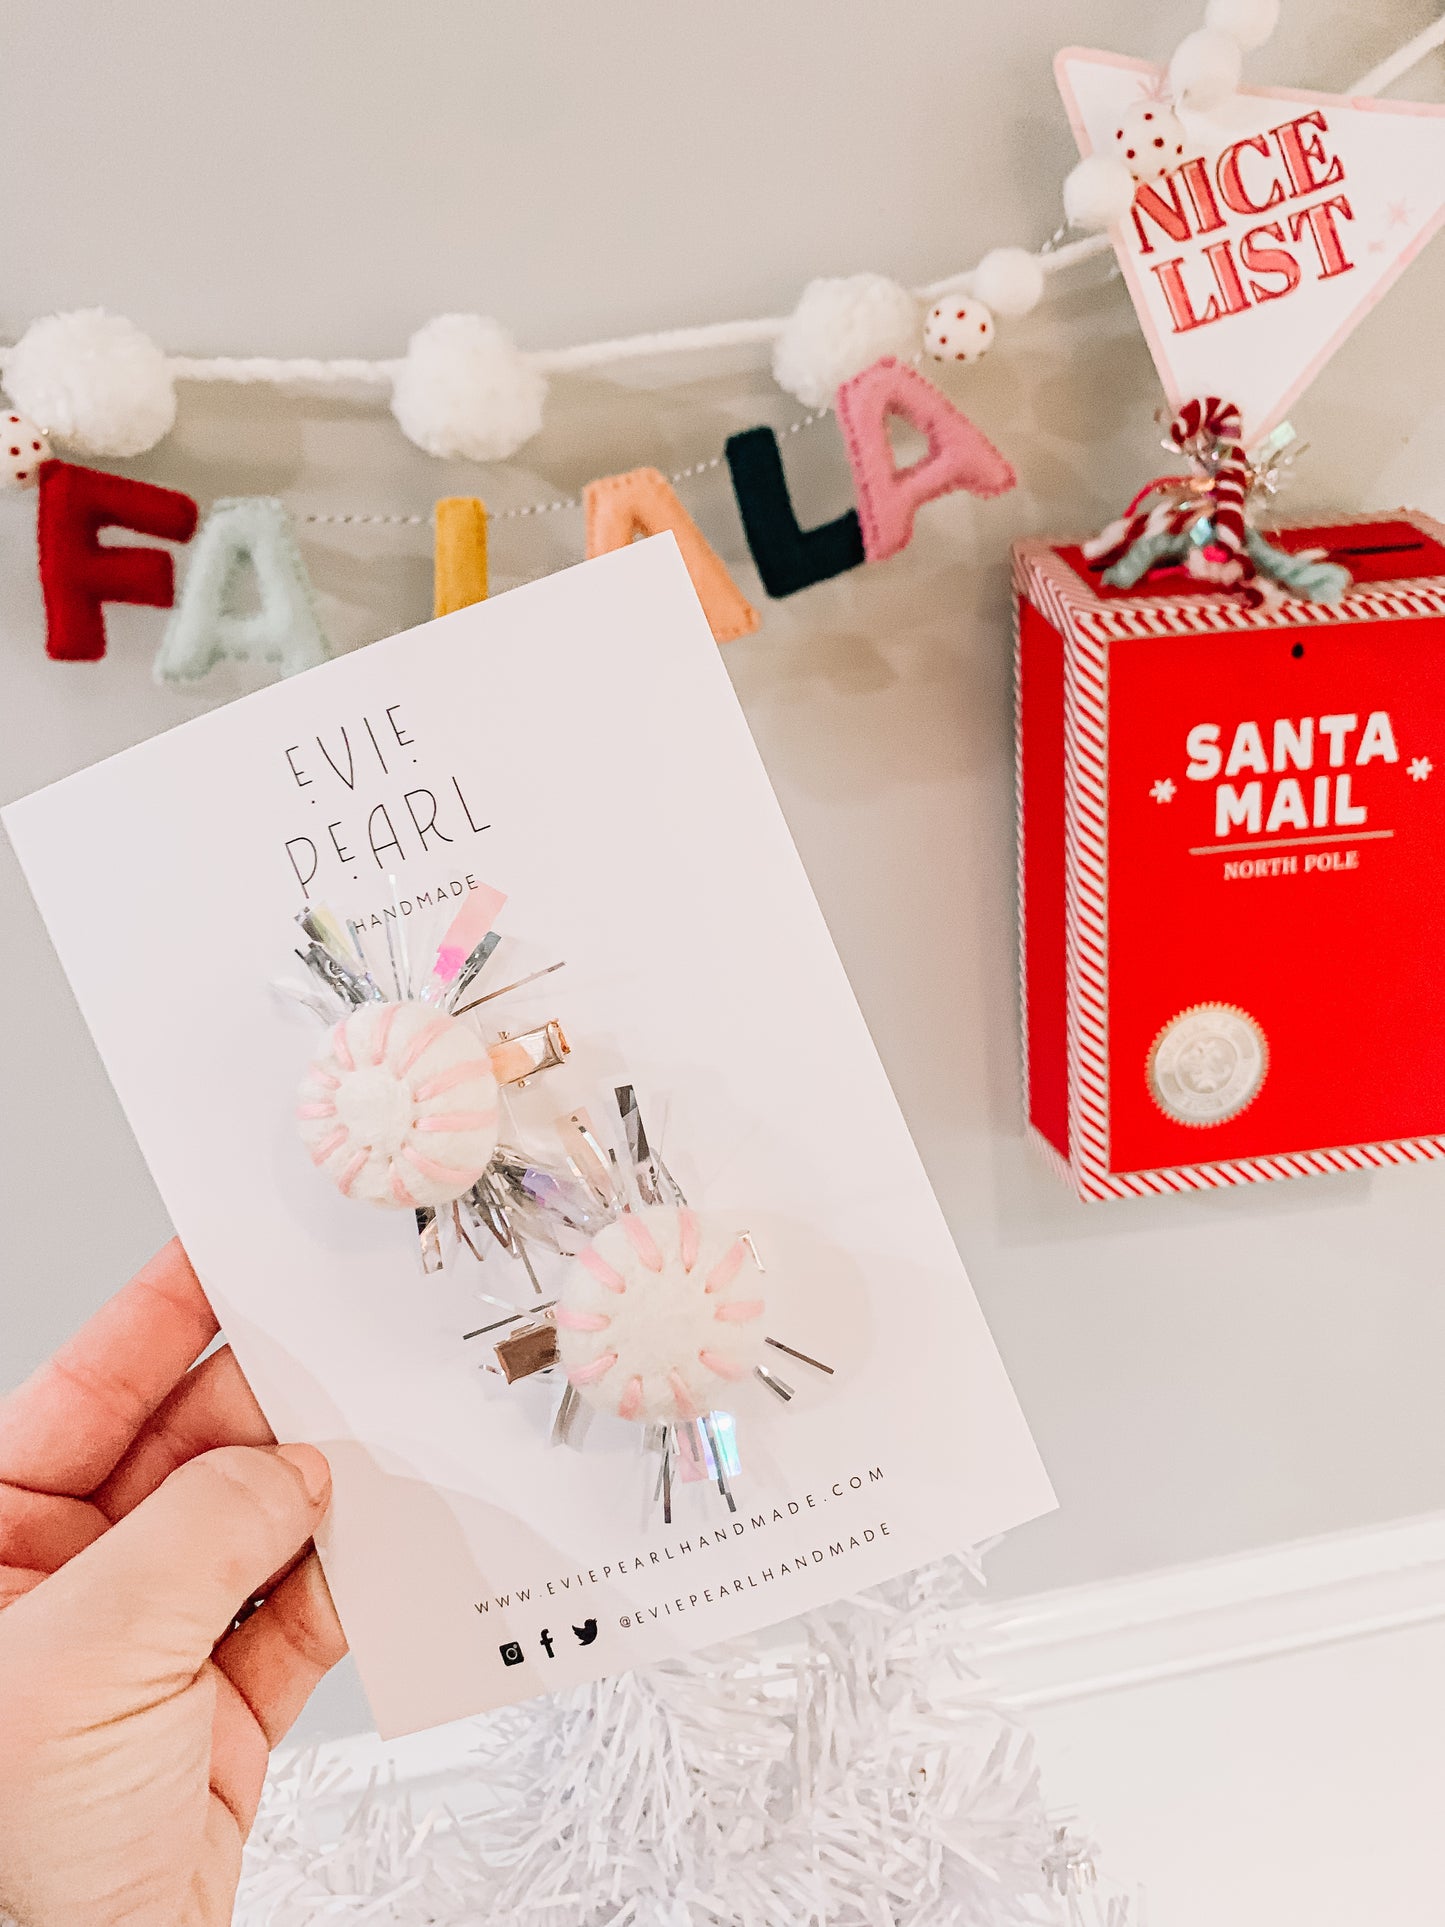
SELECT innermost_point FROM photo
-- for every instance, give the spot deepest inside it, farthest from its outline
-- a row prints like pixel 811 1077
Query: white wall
pixel 1203 1374
pixel 1252 1739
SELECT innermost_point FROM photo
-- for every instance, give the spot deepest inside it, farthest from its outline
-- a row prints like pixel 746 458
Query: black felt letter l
pixel 788 558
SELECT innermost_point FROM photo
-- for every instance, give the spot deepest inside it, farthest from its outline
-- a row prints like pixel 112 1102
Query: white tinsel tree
pixel 857 1774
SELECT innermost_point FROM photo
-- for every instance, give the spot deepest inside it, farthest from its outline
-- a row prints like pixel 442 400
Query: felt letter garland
pixel 958 455
pixel 643 502
pixel 788 557
pixel 241 530
pixel 460 568
pixel 78 574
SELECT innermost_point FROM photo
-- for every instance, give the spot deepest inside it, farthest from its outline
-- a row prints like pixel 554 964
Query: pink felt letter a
pixel 958 455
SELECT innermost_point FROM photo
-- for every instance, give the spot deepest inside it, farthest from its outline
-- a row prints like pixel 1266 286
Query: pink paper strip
pixel 467 928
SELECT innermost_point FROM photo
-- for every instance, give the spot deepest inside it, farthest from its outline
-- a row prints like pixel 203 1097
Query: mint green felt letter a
pixel 205 627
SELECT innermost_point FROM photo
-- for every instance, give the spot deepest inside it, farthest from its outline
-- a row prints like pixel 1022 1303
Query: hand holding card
pixel 689 1106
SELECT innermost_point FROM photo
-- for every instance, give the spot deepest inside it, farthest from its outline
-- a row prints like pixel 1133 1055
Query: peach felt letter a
pixel 644 502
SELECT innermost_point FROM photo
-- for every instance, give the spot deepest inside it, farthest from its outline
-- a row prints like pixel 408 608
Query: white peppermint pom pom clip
pixel 659 1322
pixel 660 1316
pixel 401 1110
pixel 657 1318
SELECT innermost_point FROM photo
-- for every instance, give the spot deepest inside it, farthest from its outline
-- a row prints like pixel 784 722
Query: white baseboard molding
pixel 1225 1613
pixel 1051 1648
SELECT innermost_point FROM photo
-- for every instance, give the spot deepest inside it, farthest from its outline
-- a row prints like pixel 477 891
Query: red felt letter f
pixel 79 573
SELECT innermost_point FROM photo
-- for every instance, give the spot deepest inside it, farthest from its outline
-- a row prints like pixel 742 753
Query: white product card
pixel 575 746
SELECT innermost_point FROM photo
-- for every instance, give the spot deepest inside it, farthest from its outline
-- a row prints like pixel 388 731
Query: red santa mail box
pixel 1232 868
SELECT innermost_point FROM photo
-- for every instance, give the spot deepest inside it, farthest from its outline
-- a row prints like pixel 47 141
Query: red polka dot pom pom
pixel 959 328
pixel 1150 140
pixel 22 449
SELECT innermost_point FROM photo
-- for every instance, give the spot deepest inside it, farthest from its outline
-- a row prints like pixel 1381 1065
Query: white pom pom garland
pixel 22 449
pixel 1010 281
pixel 1205 71
pixel 465 389
pixel 92 382
pixel 1150 140
pixel 1099 192
pixel 402 1108
pixel 661 1316
pixel 958 328
pixel 839 328
pixel 1250 22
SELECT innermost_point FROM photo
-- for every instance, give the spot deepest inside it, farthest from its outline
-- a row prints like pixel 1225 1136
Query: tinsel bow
pixel 1201 523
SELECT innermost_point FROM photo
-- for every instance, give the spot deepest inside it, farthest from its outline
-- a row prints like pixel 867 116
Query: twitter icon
pixel 586 1632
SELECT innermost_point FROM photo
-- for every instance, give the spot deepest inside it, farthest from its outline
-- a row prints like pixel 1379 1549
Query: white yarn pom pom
pixel 839 328
pixel 22 449
pixel 93 382
pixel 466 389
pixel 1205 70
pixel 1250 22
pixel 1010 281
pixel 1099 192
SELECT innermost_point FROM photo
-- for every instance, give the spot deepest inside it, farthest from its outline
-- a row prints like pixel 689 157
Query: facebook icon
pixel 547 1644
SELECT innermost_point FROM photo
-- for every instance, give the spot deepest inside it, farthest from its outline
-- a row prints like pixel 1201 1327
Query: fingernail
pixel 311 1464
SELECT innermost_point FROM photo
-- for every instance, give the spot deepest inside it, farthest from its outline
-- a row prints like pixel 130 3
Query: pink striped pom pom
pixel 401 1110
pixel 660 1317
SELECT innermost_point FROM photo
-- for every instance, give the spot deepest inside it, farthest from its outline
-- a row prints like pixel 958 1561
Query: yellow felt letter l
pixel 461 554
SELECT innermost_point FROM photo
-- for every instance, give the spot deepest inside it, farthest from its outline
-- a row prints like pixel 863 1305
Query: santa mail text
pixel 1269 800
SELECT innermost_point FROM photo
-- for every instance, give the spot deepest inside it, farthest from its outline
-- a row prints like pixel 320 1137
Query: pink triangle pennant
pixel 1293 213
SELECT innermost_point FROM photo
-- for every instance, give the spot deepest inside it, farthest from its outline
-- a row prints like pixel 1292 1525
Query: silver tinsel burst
pixel 852 1770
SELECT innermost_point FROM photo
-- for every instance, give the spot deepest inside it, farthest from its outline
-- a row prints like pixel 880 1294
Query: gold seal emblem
pixel 1207 1065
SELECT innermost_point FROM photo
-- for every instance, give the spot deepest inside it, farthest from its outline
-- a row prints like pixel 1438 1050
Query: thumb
pixel 162 1586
